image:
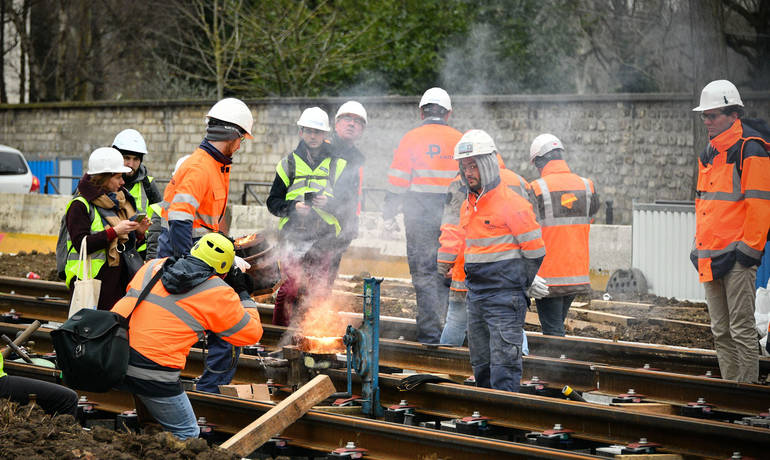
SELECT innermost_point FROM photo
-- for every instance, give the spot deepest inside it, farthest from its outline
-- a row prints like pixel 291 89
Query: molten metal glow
pixel 322 328
pixel 321 345
pixel 242 241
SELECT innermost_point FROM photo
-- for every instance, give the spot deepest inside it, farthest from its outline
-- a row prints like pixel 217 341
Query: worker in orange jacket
pixel 450 259
pixel 564 204
pixel 194 204
pixel 732 218
pixel 503 251
pixel 190 299
pixel 419 177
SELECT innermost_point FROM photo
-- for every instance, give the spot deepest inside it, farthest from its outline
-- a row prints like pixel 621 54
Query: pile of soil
pixel 20 264
pixel 28 432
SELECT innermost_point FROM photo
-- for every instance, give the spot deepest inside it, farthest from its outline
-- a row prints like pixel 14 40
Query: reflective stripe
pixel 485 242
pixel 458 286
pixel 298 184
pixel 589 197
pixel 574 220
pixel 761 194
pixel 180 215
pixel 711 253
pixel 186 198
pixel 207 219
pixel 164 204
pixel 520 190
pixel 529 236
pixel 446 257
pixel 428 188
pixel 720 196
pixel 748 250
pixel 399 174
pixel 474 258
pixel 156 375
pixel 547 203
pixel 198 232
pixel 238 326
pixel 434 173
pixel 566 280
pixel 249 303
pixel 534 253
pixel 168 303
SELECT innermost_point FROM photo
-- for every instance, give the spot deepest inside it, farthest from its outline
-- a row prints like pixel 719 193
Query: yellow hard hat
pixel 216 250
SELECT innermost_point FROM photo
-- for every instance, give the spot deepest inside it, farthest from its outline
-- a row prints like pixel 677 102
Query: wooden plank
pixel 608 304
pixel 605 318
pixel 280 417
pixel 677 323
pixel 532 319
pixel 650 408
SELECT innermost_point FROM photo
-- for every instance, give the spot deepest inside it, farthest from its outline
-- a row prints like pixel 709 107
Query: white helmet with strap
pixel 543 144
pixel 106 160
pixel 718 94
pixel 314 117
pixel 352 108
pixel 473 143
pixel 436 96
pixel 131 141
pixel 235 111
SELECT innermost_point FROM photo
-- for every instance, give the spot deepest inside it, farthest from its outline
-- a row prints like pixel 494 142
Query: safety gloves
pixel 241 264
pixel 239 281
pixel 444 268
pixel 539 289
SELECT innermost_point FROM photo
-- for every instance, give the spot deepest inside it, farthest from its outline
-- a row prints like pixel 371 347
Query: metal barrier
pixel 54 184
pixel 249 191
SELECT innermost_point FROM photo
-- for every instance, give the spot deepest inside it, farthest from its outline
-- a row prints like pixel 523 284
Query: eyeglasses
pixel 355 120
pixel 710 116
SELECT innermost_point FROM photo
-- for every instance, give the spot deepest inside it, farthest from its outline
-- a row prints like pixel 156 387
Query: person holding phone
pixel 303 197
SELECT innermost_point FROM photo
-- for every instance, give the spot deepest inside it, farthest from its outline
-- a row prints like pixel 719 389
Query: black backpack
pixel 92 346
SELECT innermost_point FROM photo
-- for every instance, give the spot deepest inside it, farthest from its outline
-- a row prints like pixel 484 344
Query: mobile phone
pixel 138 217
pixel 309 197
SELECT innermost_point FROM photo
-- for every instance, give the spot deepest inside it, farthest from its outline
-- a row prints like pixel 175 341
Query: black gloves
pixel 239 281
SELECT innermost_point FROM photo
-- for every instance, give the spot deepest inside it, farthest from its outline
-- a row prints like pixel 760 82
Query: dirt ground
pixel 27 432
pixel 397 299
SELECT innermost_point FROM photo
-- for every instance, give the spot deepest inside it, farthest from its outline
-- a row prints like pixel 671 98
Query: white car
pixel 15 176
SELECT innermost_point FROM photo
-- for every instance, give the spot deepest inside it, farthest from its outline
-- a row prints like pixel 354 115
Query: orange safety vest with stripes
pixel 452 238
pixel 563 207
pixel 164 326
pixel 500 232
pixel 732 204
pixel 197 193
pixel 424 160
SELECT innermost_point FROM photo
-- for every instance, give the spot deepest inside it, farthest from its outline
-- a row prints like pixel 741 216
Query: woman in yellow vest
pixel 100 213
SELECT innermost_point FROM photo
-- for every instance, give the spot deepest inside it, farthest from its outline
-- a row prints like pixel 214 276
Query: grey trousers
pixel 731 307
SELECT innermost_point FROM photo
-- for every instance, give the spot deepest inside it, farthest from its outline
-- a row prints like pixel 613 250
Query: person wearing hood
pixel 193 297
pixel 419 177
pixel 303 196
pixel 141 186
pixel 100 213
pixel 565 204
pixel 503 252
pixel 194 204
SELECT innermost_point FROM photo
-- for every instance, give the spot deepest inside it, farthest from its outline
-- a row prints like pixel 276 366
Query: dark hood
pixel 185 274
pixel 141 173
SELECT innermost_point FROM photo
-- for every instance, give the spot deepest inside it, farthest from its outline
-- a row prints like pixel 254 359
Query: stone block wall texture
pixel 638 147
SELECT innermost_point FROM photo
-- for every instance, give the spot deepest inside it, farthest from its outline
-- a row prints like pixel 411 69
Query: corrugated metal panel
pixel 41 169
pixel 662 239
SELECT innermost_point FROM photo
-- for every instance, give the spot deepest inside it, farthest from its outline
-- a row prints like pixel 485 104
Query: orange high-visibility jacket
pixel 452 238
pixel 164 326
pixel 732 204
pixel 500 232
pixel 564 203
pixel 197 193
pixel 423 161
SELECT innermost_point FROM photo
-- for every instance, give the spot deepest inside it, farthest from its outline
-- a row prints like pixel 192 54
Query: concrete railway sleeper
pixel 324 431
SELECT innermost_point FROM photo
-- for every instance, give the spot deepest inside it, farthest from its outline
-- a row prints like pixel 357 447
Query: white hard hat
pixel 314 117
pixel 131 140
pixel 543 144
pixel 179 163
pixel 106 160
pixel 717 94
pixel 233 111
pixel 436 96
pixel 352 108
pixel 473 143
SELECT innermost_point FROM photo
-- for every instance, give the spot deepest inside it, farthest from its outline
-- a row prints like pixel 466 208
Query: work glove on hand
pixel 391 226
pixel 239 281
pixel 444 269
pixel 241 264
pixel 538 289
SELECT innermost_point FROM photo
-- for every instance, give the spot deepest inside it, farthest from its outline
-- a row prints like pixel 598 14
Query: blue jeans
pixel 456 323
pixel 552 312
pixel 174 413
pixel 422 225
pixel 220 357
pixel 495 336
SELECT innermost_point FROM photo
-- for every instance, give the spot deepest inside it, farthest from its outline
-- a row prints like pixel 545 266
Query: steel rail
pixel 675 389
pixel 326 431
pixel 682 435
pixel 666 358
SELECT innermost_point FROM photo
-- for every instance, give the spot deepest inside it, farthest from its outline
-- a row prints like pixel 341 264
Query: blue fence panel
pixel 43 168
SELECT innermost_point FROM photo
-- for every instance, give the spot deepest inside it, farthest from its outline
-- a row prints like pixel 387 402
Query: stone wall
pixel 635 147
